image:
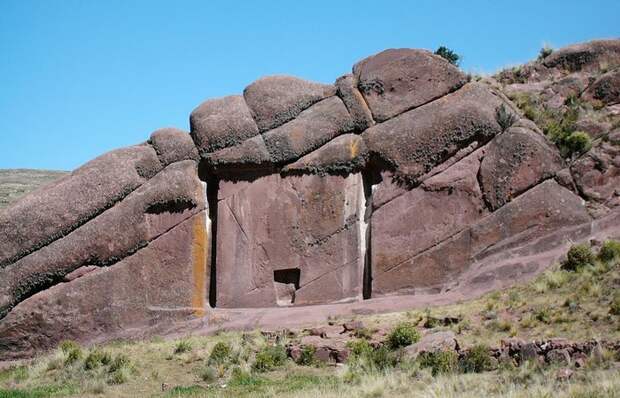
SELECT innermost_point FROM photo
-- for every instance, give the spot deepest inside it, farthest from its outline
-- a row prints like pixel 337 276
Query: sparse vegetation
pixel 504 117
pixel 578 257
pixel 270 357
pixel 581 303
pixel 404 334
pixel 183 346
pixel 449 55
pixel 545 51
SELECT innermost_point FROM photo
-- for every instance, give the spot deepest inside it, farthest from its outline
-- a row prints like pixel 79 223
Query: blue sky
pixel 78 78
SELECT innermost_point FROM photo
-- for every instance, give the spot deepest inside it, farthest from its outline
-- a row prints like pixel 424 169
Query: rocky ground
pixel 15 183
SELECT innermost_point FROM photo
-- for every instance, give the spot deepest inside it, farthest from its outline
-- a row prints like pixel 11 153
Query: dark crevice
pixel 369 178
pixel 212 199
pixel 171 206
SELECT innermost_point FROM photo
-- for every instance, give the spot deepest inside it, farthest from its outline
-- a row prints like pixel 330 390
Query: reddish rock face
pixel 274 100
pixel 290 241
pixel 416 141
pixel 397 80
pixel 162 283
pixel 416 221
pixel 342 155
pixel 220 123
pixel 173 145
pixel 57 209
pixel 597 174
pixel 515 161
pixel 399 179
pixel 536 213
pixel 605 89
pixel 170 197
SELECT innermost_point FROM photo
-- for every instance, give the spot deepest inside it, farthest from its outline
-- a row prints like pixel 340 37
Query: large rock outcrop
pixel 400 178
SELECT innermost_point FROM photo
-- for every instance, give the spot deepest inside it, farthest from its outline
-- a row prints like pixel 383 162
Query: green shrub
pixel 73 355
pixel 97 358
pixel 504 117
pixel 119 369
pixel 307 356
pixel 220 353
pixel 359 348
pixel 578 142
pixel 476 360
pixel 545 52
pixel 440 362
pixel 578 257
pixel 269 358
pixel 382 358
pixel 449 55
pixel 182 347
pixel 610 251
pixel 404 334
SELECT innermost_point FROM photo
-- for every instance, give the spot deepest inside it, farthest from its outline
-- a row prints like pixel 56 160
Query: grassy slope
pixel 559 303
pixel 15 183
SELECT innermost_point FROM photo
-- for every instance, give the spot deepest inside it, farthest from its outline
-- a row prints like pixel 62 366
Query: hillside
pixel 14 183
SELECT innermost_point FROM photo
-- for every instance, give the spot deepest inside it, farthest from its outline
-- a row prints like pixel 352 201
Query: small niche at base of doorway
pixel 286 283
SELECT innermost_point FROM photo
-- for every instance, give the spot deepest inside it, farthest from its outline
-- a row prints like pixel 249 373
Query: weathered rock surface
pixel 416 141
pixel 15 183
pixel 170 197
pixel 537 212
pixel 417 220
pixel 342 155
pixel 605 89
pixel 293 240
pixel 590 55
pixel 597 174
pixel 274 100
pixel 515 161
pixel 397 80
pixel 56 209
pixel 162 283
pixel 220 123
pixel 173 145
pixel 354 101
pixel 399 179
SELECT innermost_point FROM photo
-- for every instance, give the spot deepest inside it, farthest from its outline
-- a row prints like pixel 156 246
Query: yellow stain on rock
pixel 354 148
pixel 199 261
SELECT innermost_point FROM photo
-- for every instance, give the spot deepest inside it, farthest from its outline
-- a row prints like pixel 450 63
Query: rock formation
pixel 403 178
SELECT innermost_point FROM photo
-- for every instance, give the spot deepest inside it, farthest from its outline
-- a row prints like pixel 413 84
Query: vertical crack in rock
pixel 212 192
pixel 368 180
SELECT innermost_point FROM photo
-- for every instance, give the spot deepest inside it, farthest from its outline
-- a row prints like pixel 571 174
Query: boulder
pixel 546 208
pixel 173 145
pixel 431 343
pixel 55 210
pixel 397 80
pixel 302 231
pixel 170 197
pixel 416 141
pixel 313 127
pixel 220 123
pixel 159 284
pixel 597 173
pixel 342 155
pixel 515 161
pixel 417 220
pixel 275 100
pixel 354 101
pixel 605 89
pixel 585 56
